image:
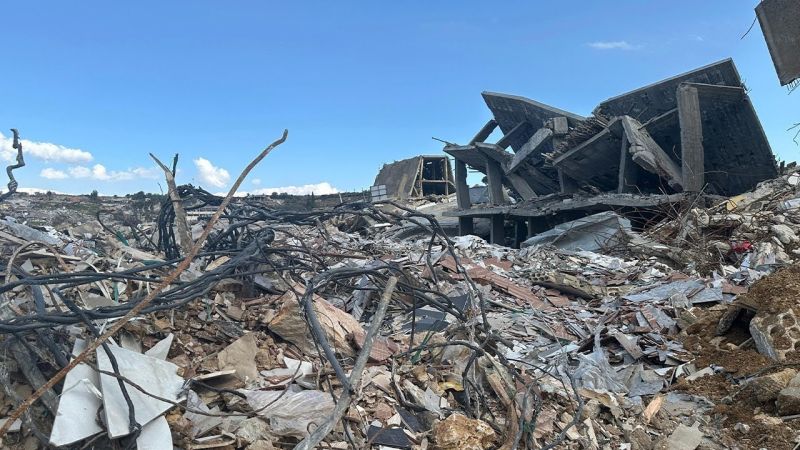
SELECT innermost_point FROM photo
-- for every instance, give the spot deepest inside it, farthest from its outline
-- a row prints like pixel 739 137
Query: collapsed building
pixel 414 177
pixel 695 134
pixel 224 322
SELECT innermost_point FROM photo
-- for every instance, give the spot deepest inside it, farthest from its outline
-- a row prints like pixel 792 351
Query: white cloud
pixel 256 181
pixel 613 45
pixel 80 172
pixel 146 172
pixel 100 173
pixel 208 173
pixel 323 188
pixel 52 174
pixel 43 150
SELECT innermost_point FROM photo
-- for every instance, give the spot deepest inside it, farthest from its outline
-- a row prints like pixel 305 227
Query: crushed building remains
pixel 653 302
pixel 415 177
pixel 693 134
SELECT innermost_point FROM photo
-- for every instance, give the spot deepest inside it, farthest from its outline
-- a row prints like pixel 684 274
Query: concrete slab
pixel 510 110
pixel 156 376
pixel 156 435
pixel 658 98
pixel 80 401
pixel 780 23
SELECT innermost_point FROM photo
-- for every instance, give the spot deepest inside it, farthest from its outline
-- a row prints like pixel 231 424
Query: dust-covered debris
pixel 285 328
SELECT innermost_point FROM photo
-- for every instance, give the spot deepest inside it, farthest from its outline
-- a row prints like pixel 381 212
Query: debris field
pixel 623 284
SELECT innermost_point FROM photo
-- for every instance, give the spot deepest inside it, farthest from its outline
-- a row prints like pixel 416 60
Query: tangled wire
pixel 247 241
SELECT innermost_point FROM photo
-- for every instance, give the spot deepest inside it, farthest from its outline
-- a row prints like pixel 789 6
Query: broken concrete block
pixel 775 335
pixel 784 233
pixel 252 430
pixel 158 377
pixel 766 388
pixel 459 432
pixel 240 356
pixel 789 401
pixel 685 438
pixel 80 398
pixel 290 324
pixel 795 382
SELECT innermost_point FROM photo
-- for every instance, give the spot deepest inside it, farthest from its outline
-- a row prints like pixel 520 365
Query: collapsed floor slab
pixel 696 132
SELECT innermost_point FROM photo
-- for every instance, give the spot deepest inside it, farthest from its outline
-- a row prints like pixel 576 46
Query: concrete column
pixel 484 132
pixel 567 184
pixel 462 189
pixel 494 175
pixel 693 156
pixel 465 226
pixel 498 233
pixel 628 170
pixel 537 225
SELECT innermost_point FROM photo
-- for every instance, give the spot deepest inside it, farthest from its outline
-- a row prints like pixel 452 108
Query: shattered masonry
pixel 650 299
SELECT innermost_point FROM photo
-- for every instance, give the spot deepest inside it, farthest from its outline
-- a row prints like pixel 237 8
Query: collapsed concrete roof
pixel 696 132
pixel 512 111
pixel 660 97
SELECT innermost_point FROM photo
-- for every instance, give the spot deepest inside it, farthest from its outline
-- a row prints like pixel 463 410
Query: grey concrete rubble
pixel 613 286
pixel 644 322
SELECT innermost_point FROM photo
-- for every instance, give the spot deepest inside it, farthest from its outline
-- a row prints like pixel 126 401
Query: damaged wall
pixel 696 133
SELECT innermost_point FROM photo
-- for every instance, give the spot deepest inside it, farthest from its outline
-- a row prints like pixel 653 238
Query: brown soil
pixel 737 362
pixel 773 294
pixel 777 292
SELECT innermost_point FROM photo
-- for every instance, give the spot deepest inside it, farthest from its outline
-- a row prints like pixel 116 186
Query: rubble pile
pixel 755 230
pixel 293 327
pixel 222 323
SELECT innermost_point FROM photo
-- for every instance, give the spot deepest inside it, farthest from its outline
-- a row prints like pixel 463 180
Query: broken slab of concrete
pixel 156 435
pixel 157 376
pixel 240 356
pixel 80 398
pixel 780 24
pixel 591 233
pixel 685 438
pixel 289 323
pixel 511 110
pixel 658 98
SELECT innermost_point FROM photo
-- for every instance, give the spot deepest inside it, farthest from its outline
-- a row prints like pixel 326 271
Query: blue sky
pixel 98 85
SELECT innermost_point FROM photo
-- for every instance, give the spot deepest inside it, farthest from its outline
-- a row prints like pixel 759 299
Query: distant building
pixel 415 177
